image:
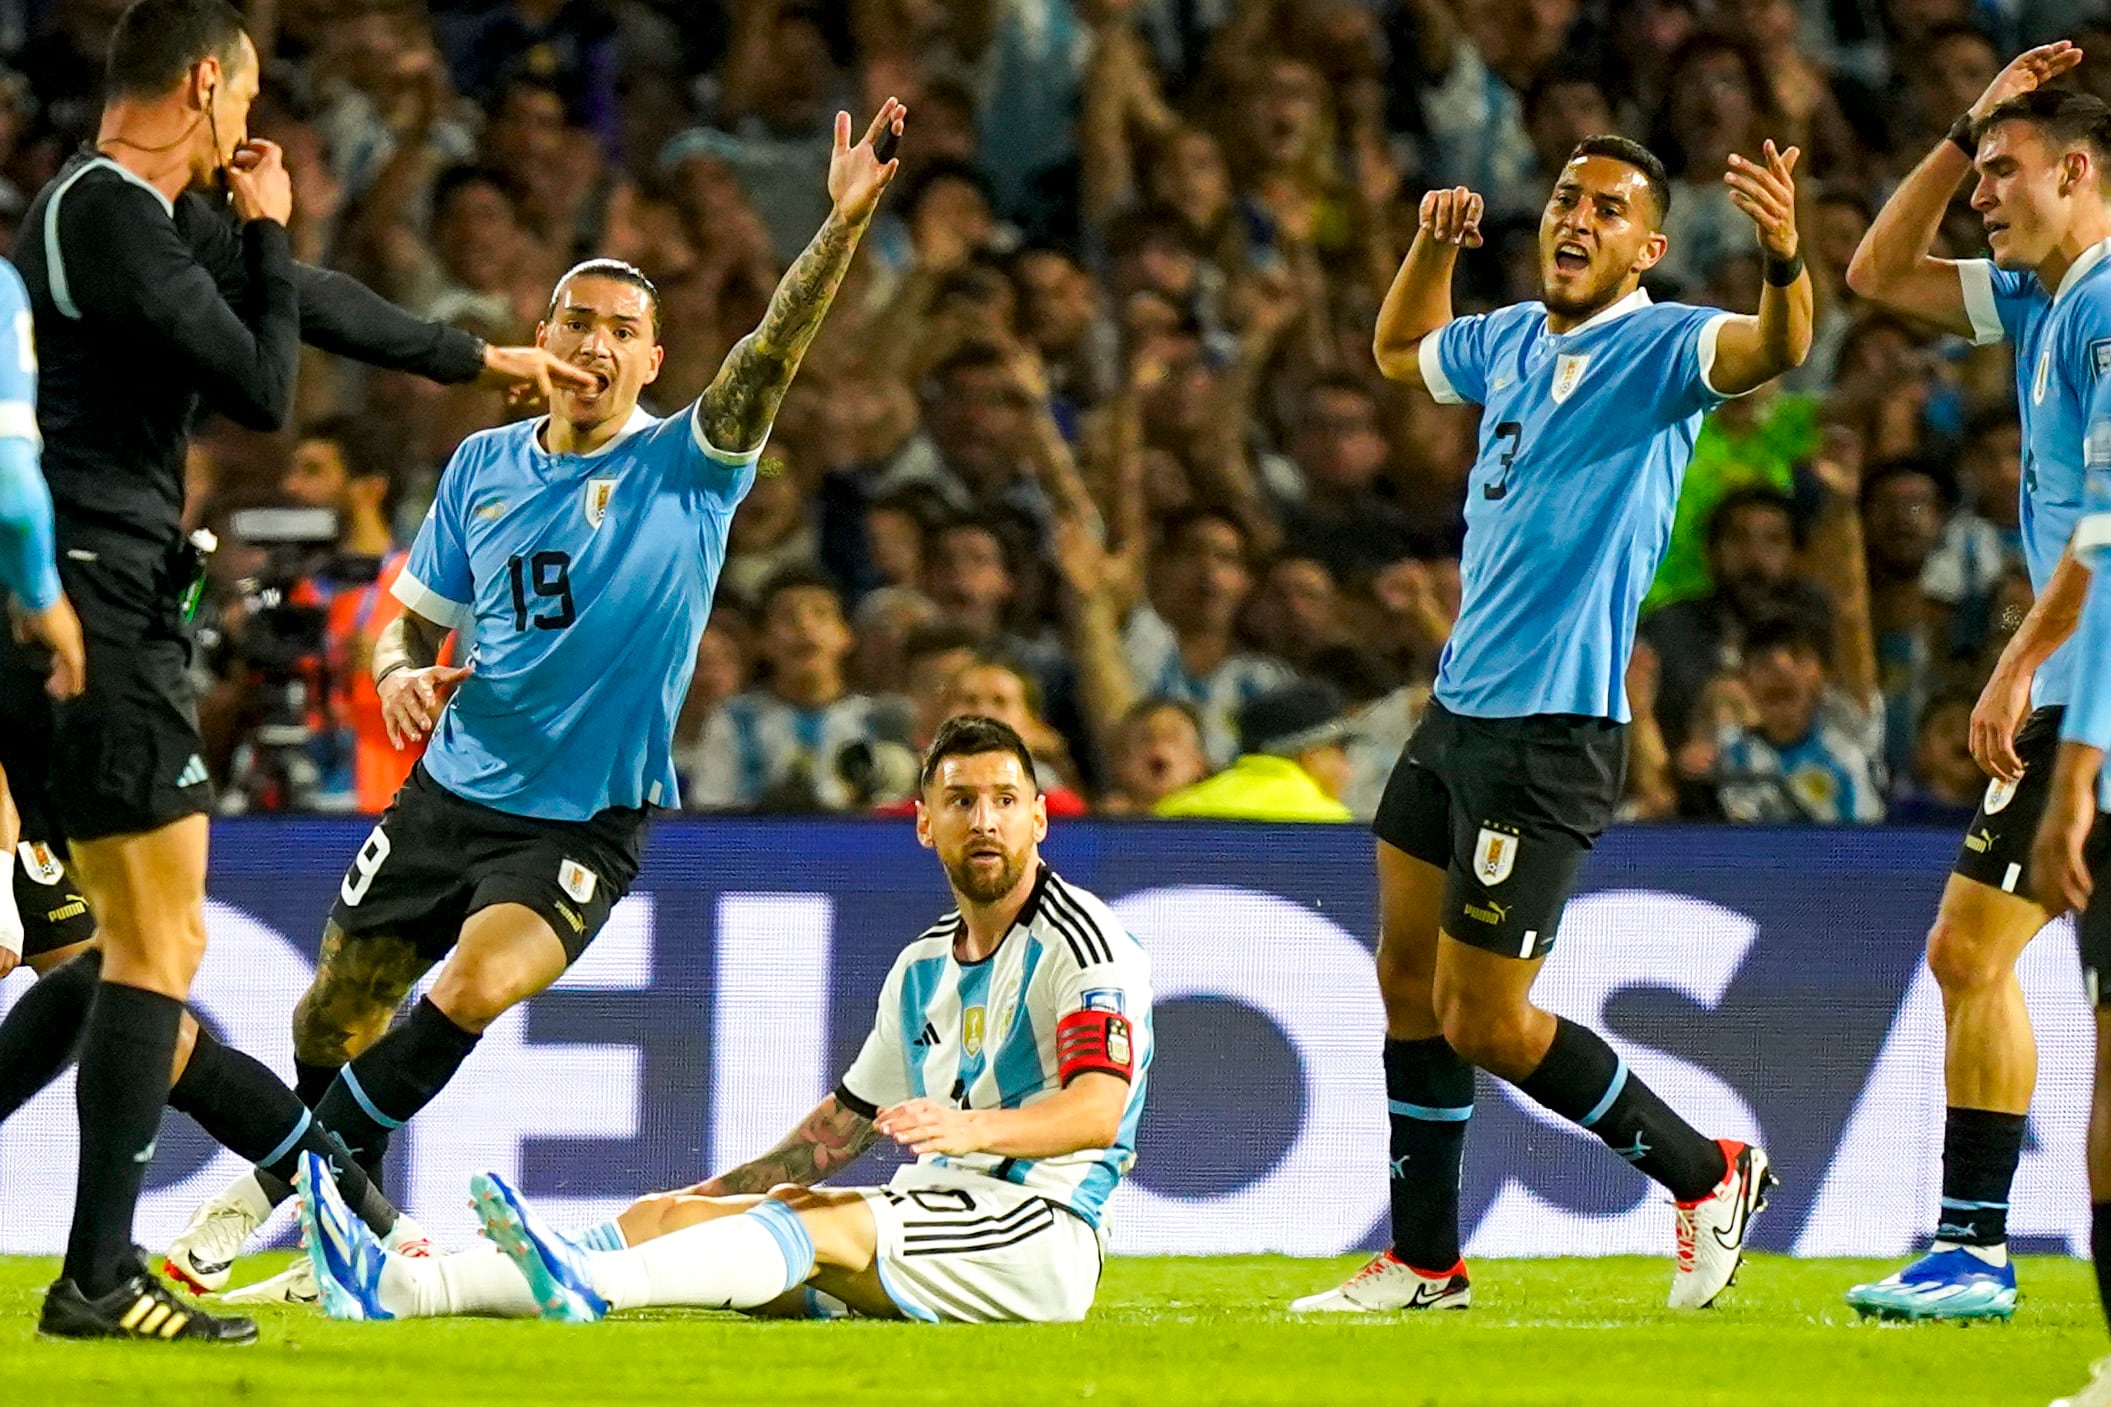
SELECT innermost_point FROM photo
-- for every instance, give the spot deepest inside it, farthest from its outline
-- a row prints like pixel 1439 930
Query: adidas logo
pixel 927 1038
pixel 193 773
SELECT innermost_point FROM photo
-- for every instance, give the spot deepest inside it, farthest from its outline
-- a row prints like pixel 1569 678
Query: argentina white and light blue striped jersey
pixel 580 583
pixel 1585 437
pixel 2062 342
pixel 983 1035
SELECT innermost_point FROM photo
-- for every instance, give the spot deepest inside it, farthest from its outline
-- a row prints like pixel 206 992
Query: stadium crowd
pixel 1093 441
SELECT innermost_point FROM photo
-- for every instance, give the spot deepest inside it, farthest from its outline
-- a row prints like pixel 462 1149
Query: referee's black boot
pixel 141 1308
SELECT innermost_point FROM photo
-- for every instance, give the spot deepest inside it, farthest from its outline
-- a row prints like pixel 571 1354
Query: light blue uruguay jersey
pixel 983 1035
pixel 580 583
pixel 2088 717
pixel 1585 437
pixel 2062 343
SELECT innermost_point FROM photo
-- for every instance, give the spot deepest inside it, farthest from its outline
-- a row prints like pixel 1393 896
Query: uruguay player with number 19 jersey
pixel 1591 402
pixel 577 555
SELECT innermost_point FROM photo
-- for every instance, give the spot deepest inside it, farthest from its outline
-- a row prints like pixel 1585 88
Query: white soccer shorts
pixel 962 1248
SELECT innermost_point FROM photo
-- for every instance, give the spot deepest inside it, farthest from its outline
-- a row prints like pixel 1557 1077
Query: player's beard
pixel 1580 304
pixel 985 886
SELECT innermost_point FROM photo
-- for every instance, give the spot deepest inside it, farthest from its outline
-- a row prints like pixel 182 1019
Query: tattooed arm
pixel 735 411
pixel 828 1140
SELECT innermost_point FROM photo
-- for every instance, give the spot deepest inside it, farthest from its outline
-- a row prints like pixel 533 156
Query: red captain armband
pixel 1094 1042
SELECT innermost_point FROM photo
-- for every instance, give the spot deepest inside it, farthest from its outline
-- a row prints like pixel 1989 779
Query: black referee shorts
pixel 1506 807
pixel 436 858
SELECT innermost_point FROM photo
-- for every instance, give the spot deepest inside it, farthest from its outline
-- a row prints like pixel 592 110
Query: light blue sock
pixel 608 1236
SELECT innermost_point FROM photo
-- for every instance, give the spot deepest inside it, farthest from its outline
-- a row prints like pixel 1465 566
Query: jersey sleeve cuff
pixel 1433 378
pixel 2091 535
pixel 731 459
pixel 1976 278
pixel 1711 332
pixel 863 1108
pixel 438 609
pixel 18 421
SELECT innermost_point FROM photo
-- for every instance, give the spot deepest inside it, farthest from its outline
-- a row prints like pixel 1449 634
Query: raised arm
pixel 826 1141
pixel 1751 351
pixel 1841 566
pixel 1419 302
pixel 735 411
pixel 1893 265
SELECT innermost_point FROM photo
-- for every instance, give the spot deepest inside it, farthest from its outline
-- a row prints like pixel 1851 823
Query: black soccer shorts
pixel 54 913
pixel 1507 808
pixel 436 858
pixel 1996 848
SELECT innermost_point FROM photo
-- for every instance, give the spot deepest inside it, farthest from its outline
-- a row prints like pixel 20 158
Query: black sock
pixel 312 1082
pixel 1582 1079
pixel 2100 1252
pixel 124 1083
pixel 394 1079
pixel 1428 1098
pixel 1980 1150
pixel 237 1100
pixel 42 1032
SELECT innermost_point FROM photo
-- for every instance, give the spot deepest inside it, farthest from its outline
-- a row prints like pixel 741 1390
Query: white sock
pixel 248 1194
pixel 734 1262
pixel 1996 1256
pixel 479 1281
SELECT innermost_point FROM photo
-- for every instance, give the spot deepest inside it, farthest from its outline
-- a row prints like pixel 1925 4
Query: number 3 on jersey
pixel 549 576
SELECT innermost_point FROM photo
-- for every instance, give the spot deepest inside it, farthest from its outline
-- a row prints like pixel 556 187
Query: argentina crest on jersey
pixel 1568 374
pixel 598 493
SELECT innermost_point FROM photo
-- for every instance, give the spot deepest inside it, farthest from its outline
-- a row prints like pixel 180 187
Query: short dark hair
pixel 972 735
pixel 2069 118
pixel 1790 630
pixel 938 173
pixel 1632 152
pixel 157 42
pixel 1158 703
pixel 618 271
pixel 1764 496
pixel 794 579
pixel 1937 473
pixel 941 638
pixel 1180 523
pixel 460 177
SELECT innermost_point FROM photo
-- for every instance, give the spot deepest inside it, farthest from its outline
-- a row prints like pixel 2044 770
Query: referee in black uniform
pixel 159 278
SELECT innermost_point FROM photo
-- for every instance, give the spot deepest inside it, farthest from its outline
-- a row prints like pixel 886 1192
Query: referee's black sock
pixel 1428 1100
pixel 42 1032
pixel 395 1078
pixel 124 1084
pixel 1980 1150
pixel 237 1100
pixel 2100 1252
pixel 1584 1080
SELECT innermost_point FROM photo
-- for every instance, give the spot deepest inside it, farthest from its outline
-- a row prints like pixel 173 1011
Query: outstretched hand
pixel 1453 217
pixel 1767 195
pixel 856 175
pixel 2026 72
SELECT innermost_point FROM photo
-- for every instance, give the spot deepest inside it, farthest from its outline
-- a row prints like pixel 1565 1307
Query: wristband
pixel 1780 273
pixel 1961 133
pixel 384 674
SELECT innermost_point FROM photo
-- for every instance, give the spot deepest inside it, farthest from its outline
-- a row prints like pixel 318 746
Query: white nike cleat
pixel 1711 1231
pixel 293 1285
pixel 2097 1392
pixel 202 1257
pixel 1386 1283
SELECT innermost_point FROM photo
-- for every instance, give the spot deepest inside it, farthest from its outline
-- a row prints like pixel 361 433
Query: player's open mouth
pixel 1571 257
pixel 1994 227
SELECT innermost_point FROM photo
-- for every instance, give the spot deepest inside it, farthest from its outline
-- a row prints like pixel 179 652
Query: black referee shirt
pixel 143 310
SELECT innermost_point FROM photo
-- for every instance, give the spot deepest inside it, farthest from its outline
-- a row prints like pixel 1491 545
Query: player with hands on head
pixel 2037 159
pixel 1011 1053
pixel 1592 398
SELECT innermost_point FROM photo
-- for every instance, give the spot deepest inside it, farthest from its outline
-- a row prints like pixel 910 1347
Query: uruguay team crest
pixel 973 1023
pixel 2038 382
pixel 598 493
pixel 1494 856
pixel 576 880
pixel 2100 355
pixel 1999 792
pixel 1568 374
pixel 40 864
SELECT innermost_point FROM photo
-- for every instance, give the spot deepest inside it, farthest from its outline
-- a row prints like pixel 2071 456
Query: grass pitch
pixel 1166 1333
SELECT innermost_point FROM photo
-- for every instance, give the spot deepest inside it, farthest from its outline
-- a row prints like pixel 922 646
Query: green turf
pixel 1166 1333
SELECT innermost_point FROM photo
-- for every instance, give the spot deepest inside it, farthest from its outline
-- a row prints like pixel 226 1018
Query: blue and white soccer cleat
pixel 554 1267
pixel 1952 1284
pixel 346 1256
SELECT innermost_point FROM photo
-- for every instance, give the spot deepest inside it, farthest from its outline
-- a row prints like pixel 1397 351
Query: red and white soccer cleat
pixel 1387 1282
pixel 1711 1231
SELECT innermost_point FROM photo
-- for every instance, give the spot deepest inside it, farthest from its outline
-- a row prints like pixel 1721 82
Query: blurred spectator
pixel 1904 504
pixel 1983 539
pixel 723 659
pixel 1806 752
pixel 1157 751
pixel 1292 765
pixel 1945 786
pixel 781 746
pixel 994 689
